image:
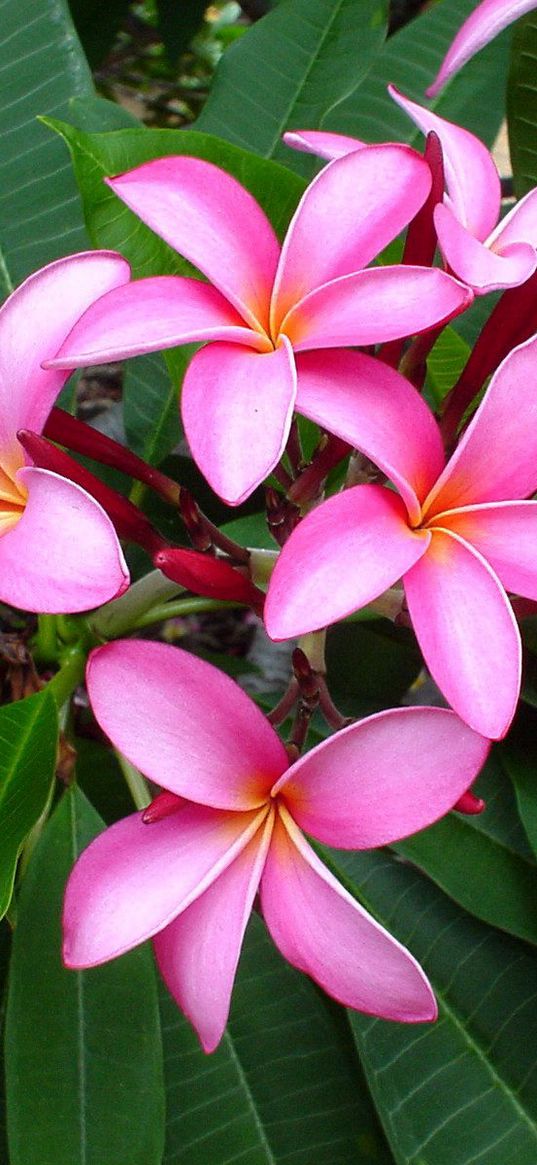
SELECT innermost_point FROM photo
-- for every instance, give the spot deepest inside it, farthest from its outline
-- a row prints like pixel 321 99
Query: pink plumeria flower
pixel 267 302
pixel 189 879
pixel 457 534
pixel 479 250
pixel 58 549
pixel 487 21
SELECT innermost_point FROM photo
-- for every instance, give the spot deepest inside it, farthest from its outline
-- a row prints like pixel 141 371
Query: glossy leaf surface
pixel 83 1053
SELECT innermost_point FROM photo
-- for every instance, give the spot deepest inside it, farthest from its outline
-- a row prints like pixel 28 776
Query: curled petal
pixel 198 952
pixel 496 458
pixel 323 931
pixel 505 533
pixel 185 724
pixel 148 315
pixel 477 265
pixel 324 145
pixel 237 407
pixel 383 778
pixel 374 409
pixel 472 179
pixel 134 879
pixel 339 558
pixel 213 221
pixel 519 226
pixel 388 183
pixel 488 19
pixel 34 321
pixel 63 554
pixel 370 307
pixel 467 633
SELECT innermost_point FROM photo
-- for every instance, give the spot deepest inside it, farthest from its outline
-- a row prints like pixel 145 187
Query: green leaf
pixel 97 23
pixel 28 745
pixel 483 862
pixel 177 25
pixel 42 66
pixel 464 1089
pixel 289 69
pixel 83 1054
pixel 519 757
pixel 389 662
pixel 111 224
pixel 410 60
pixel 150 406
pixel 522 104
pixel 283 1087
pixel 445 364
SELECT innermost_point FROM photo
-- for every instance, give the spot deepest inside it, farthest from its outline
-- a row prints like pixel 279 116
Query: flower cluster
pixel 282 327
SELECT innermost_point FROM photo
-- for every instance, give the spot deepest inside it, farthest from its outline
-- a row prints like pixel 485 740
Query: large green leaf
pixel 410 60
pixel 284 1086
pixel 522 104
pixel 28 744
pixel 97 23
pixel 462 1090
pixel 519 757
pixel 483 862
pixel 289 69
pixel 83 1054
pixel 42 66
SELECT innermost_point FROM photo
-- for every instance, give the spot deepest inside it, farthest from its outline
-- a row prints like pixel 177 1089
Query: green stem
pixel 181 607
pixel 135 782
pixel 121 615
pixel 71 672
pixel 313 646
pixel 46 640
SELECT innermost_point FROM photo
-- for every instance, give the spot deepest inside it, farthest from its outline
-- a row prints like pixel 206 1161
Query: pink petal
pixel 475 263
pixel 467 633
pixel 388 184
pixel 173 310
pixel 496 458
pixel 213 221
pixel 519 226
pixel 383 303
pixel 324 145
pixel 471 176
pixel 323 931
pixel 341 556
pixel 237 407
pixel 373 408
pixel 185 724
pixel 198 952
pixel 383 778
pixel 488 19
pixel 134 879
pixel 63 554
pixel 505 533
pixel 33 323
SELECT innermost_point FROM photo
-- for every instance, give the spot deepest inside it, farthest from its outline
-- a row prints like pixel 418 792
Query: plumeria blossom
pixel 458 534
pixel 230 825
pixel 485 22
pixel 264 302
pixel 58 549
pixel 484 253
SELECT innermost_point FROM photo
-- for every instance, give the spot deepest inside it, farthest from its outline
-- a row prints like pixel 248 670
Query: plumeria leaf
pixel 283 1086
pixel 465 1087
pixel 291 68
pixel 483 861
pixel 409 61
pixel 519 758
pixel 28 744
pixel 390 661
pixel 42 66
pixel 522 104
pixel 445 364
pixel 83 1052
